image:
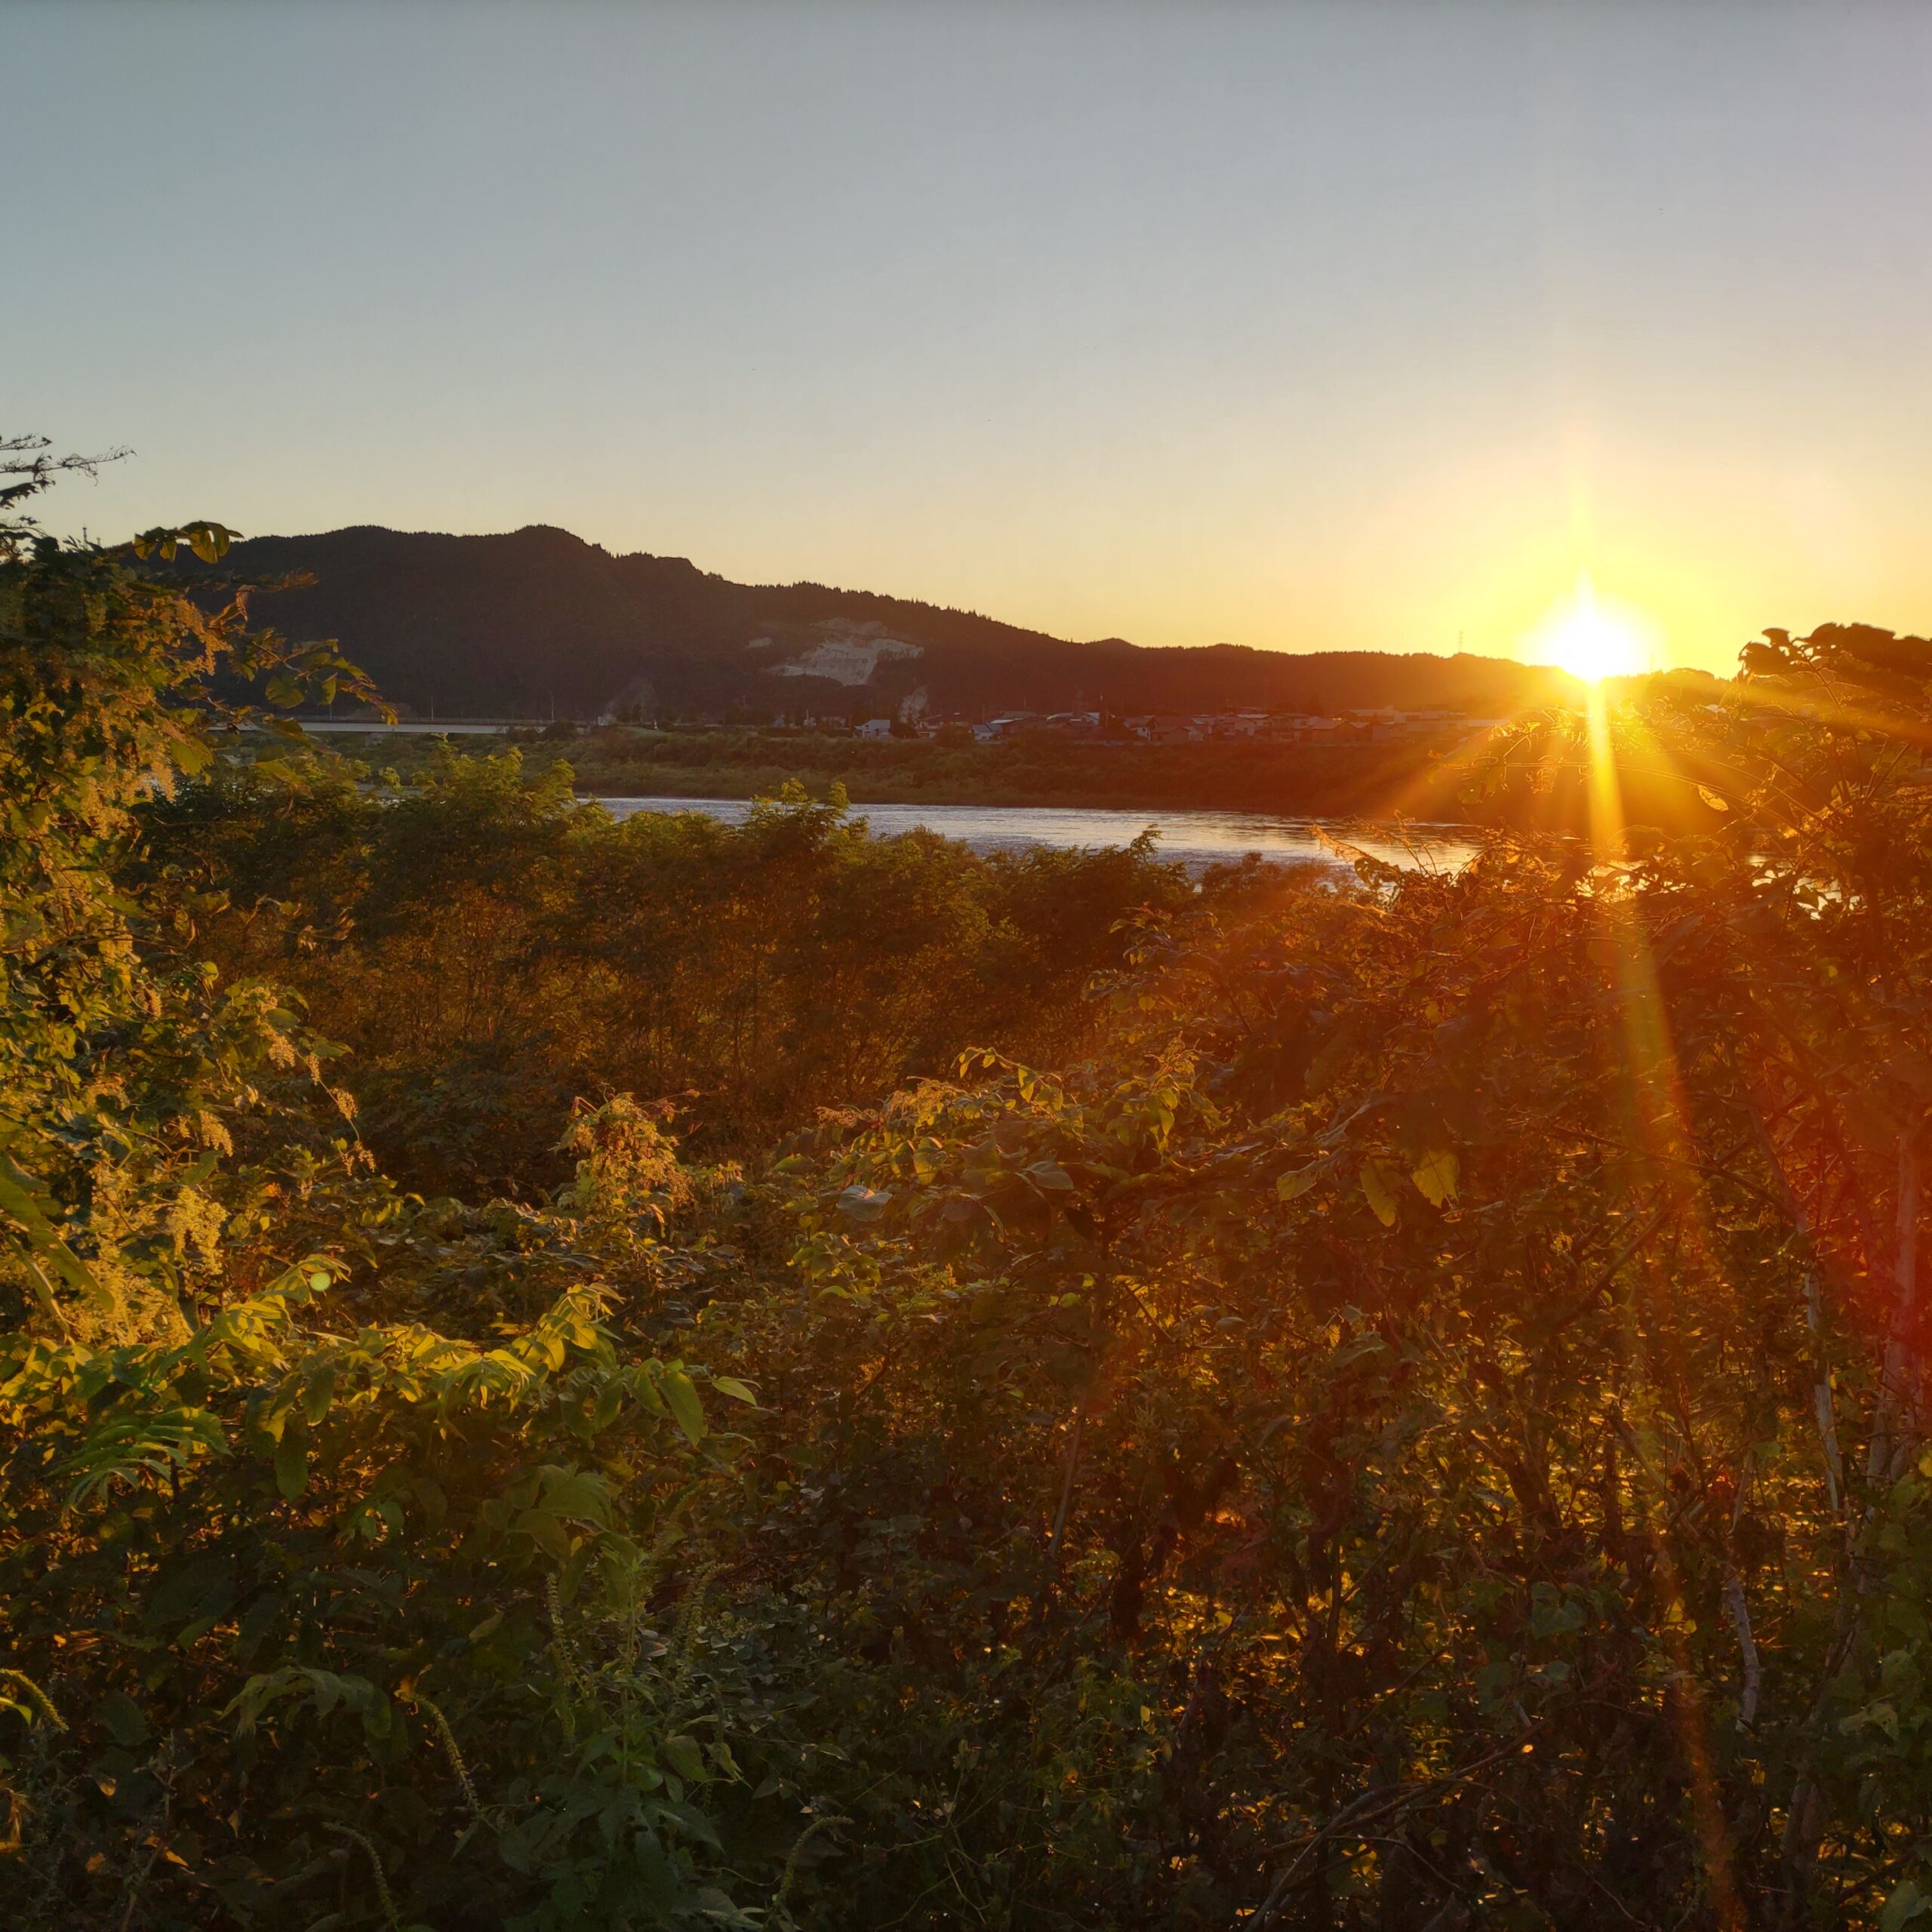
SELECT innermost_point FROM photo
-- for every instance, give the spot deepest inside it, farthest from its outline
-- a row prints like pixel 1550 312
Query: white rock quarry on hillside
pixel 846 653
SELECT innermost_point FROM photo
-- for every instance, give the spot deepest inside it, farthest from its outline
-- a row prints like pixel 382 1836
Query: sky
pixel 1308 326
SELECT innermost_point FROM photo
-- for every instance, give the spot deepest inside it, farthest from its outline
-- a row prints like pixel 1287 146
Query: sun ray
pixel 1662 1129
pixel 1828 706
pixel 1591 639
pixel 1440 781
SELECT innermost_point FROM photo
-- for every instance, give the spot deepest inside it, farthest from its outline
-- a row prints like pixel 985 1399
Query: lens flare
pixel 1592 640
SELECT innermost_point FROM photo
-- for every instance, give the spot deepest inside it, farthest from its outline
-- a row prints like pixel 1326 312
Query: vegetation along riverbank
pixel 564 1375
pixel 1445 782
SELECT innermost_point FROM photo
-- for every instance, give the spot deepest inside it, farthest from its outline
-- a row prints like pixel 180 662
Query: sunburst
pixel 1592 640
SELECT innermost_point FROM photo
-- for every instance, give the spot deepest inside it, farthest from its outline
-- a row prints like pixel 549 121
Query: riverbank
pixel 1357 781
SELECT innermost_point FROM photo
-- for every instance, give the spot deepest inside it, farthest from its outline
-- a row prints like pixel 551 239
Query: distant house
pixel 1386 722
pixel 875 728
pixel 1295 728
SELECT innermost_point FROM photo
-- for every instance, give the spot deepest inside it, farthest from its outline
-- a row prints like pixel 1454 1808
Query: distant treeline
pixel 1437 782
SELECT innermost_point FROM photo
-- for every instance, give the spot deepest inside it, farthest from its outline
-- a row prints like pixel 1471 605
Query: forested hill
pixel 538 620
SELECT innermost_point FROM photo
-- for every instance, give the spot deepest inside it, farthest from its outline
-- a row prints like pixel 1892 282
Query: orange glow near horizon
pixel 1593 640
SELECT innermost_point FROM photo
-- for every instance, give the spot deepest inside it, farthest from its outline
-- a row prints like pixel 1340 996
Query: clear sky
pixel 1302 326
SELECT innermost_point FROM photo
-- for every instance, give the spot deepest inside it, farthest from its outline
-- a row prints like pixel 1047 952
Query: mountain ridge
pixel 539 621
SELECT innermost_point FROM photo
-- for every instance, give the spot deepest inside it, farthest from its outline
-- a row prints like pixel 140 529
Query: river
pixel 1197 839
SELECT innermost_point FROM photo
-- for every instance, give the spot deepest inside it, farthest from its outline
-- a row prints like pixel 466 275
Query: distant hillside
pixel 519 625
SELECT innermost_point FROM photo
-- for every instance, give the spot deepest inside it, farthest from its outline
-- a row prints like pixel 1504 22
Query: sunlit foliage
pixel 1402 1408
pixel 490 951
pixel 305 1478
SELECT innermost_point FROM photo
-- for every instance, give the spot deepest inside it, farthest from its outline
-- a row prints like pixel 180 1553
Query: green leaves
pixel 682 1397
pixel 291 1464
pixel 125 1449
pixel 1378 1187
pixel 1435 1177
pixel 247 1497
pixel 1074 1425
pixel 863 1203
pixel 22 1201
pixel 321 1691
pixel 208 541
pixel 1908 1903
pixel 120 1717
pixel 565 1497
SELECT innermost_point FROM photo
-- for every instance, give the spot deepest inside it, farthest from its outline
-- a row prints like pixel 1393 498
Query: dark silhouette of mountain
pixel 539 622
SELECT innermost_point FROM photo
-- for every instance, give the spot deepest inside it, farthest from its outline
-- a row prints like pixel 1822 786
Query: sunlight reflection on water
pixel 1197 839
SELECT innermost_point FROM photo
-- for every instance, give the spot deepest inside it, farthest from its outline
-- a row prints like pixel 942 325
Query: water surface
pixel 1197 839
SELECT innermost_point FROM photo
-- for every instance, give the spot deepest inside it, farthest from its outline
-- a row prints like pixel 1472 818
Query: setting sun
pixel 1590 640
pixel 1121 819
